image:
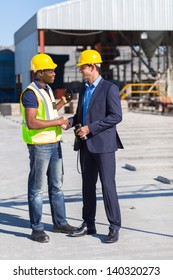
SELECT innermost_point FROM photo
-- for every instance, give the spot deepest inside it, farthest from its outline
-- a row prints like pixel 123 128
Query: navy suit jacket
pixel 103 114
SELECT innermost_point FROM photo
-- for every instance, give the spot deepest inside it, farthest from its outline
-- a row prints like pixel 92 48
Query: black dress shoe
pixel 112 236
pixel 83 230
pixel 64 228
pixel 39 236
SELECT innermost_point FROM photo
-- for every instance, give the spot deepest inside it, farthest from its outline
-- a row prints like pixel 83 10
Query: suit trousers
pixel 104 165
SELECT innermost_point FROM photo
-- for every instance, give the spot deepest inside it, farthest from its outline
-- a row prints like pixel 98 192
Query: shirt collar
pixel 40 86
pixel 93 85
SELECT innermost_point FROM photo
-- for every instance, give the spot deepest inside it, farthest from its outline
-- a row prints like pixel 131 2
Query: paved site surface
pixel 146 202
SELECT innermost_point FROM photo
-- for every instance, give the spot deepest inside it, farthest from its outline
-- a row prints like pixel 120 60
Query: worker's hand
pixel 68 95
pixel 63 100
pixel 62 121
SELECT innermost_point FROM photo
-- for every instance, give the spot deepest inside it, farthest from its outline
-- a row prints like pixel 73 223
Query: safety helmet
pixel 41 62
pixel 89 57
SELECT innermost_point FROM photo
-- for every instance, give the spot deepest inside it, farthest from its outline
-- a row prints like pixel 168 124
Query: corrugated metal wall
pixel 129 15
pixel 108 15
pixel 26 45
pixel 28 28
pixel 24 51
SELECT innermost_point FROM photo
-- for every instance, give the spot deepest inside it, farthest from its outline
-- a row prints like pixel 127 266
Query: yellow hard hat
pixel 42 61
pixel 89 57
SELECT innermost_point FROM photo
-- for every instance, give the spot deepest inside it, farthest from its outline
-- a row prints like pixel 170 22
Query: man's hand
pixel 83 131
pixel 65 126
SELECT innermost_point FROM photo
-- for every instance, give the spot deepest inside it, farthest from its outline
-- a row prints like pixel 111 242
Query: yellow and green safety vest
pixel 46 111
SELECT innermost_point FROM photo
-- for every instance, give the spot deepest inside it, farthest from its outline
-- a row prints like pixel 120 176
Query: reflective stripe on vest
pixel 46 111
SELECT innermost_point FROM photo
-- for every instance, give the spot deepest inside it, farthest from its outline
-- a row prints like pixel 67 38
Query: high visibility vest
pixel 46 111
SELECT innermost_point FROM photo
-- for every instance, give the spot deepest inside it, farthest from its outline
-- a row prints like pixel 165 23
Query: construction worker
pixel 98 113
pixel 41 130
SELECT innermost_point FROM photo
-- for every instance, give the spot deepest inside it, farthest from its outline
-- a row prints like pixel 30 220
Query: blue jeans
pixel 46 167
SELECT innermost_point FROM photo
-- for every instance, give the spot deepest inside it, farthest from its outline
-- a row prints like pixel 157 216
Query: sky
pixel 14 13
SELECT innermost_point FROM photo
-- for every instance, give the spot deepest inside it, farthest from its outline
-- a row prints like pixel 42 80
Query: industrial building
pixel 134 38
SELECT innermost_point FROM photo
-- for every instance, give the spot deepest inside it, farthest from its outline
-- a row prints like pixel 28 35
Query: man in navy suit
pixel 98 112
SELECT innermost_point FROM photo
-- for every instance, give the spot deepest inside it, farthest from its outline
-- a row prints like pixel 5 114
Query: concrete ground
pixel 145 196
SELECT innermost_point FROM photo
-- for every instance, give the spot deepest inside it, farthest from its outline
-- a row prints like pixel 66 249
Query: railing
pixel 147 96
pixel 142 88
